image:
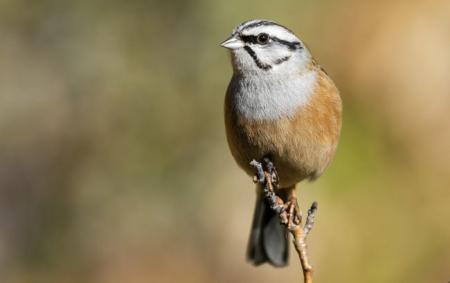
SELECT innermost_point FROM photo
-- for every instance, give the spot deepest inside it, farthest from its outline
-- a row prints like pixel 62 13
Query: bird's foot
pixel 294 214
pixel 271 171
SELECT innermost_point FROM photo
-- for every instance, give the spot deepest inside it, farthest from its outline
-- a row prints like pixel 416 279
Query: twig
pixel 289 213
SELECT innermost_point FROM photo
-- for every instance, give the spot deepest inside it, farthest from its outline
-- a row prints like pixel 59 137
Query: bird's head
pixel 265 47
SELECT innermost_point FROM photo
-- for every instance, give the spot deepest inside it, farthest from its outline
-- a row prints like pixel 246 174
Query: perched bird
pixel 282 105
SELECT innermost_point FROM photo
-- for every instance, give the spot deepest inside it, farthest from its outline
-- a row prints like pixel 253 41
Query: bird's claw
pixel 293 213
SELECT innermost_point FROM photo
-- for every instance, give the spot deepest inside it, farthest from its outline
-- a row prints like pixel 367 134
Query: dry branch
pixel 289 212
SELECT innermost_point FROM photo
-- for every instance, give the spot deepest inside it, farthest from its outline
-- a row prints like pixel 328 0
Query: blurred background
pixel 114 165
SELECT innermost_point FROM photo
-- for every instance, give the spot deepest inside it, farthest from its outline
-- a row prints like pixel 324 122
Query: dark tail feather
pixel 268 238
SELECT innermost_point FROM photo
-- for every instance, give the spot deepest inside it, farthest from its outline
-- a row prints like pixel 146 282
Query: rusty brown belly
pixel 295 153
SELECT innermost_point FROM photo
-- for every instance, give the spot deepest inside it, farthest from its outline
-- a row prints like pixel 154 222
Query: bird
pixel 282 105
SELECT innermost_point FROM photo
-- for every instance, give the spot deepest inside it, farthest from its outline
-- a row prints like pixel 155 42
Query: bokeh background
pixel 114 165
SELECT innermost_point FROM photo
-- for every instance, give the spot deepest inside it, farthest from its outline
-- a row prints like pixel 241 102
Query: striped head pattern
pixel 265 47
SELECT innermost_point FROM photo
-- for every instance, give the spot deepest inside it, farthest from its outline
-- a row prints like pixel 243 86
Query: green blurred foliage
pixel 113 160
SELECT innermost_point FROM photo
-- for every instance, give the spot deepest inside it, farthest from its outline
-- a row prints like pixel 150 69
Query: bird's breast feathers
pixel 272 97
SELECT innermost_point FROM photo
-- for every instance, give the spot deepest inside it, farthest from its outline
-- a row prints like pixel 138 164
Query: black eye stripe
pixel 249 39
pixel 292 45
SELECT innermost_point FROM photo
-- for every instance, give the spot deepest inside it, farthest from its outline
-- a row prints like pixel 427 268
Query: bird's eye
pixel 262 38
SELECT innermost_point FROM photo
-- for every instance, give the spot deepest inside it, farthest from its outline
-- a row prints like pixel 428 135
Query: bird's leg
pixel 266 175
pixel 292 214
pixel 292 208
pixel 270 168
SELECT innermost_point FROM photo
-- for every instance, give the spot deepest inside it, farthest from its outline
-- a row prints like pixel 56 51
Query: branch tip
pixel 289 212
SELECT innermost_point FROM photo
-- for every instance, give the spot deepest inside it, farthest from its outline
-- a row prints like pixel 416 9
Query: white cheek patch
pixel 273 96
pixel 271 54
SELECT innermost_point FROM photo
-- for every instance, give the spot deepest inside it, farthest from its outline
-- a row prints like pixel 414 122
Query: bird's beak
pixel 232 43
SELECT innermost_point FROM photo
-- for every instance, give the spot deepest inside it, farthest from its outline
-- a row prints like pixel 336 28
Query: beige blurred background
pixel 114 165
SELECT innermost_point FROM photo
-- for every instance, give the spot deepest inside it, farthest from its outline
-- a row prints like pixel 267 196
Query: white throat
pixel 272 96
